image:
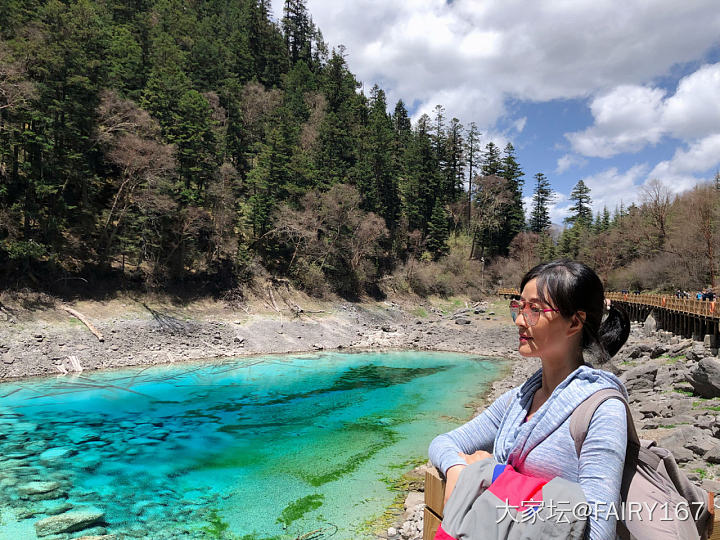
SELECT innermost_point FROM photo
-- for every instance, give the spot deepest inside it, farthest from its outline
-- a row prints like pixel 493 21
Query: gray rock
pixel 713 455
pixel 462 320
pixel 650 325
pixel 57 453
pixel 37 488
pixel 705 378
pixel 75 520
pixel 658 351
pixel 639 377
pixel 696 352
pixel 690 438
pixel 676 349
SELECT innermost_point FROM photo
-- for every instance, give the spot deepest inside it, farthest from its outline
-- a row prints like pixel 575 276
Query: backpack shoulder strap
pixel 581 416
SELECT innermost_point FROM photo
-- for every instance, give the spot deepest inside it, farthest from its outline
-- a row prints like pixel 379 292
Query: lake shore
pixel 52 342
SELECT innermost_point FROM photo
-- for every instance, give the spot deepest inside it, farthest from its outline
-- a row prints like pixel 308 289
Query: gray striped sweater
pixel 543 447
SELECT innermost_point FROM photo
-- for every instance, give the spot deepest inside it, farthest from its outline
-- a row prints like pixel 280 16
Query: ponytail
pixel 614 330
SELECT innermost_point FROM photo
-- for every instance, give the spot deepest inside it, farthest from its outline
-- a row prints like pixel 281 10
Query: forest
pixel 168 145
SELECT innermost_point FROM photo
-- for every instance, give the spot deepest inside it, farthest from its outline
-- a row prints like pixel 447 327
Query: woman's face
pixel 550 336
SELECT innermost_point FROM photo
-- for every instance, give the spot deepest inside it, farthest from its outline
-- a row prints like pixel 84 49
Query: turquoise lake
pixel 253 448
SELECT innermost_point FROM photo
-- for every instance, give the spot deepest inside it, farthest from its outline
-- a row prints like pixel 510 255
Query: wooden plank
pixel 430 524
pixel 434 491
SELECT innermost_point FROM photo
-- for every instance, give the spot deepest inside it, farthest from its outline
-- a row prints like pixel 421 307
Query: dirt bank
pixel 140 332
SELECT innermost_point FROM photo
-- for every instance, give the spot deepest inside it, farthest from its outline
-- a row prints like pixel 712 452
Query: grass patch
pixel 683 392
pixel 702 473
pixel 672 359
pixel 379 524
pixel 701 405
pixel 297 509
pixel 420 312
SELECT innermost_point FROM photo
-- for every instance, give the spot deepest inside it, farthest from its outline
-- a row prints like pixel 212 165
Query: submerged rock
pixel 75 520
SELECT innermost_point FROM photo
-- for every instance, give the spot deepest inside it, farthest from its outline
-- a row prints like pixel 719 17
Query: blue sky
pixel 613 92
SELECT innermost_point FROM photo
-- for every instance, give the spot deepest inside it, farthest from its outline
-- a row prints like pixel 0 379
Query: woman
pixel 559 319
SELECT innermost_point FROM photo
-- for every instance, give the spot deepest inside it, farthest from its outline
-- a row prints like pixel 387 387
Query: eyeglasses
pixel 530 311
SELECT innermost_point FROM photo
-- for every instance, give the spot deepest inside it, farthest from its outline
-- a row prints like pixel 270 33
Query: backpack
pixel 651 476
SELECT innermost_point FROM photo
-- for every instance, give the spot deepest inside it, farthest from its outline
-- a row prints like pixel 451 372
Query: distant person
pixel 558 318
pixel 699 295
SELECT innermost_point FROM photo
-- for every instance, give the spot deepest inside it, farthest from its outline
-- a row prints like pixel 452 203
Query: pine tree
pixel 454 161
pixel 491 161
pixel 438 231
pixel 422 178
pixel 473 160
pixel 542 197
pixel 298 31
pixel 581 211
pixel 513 213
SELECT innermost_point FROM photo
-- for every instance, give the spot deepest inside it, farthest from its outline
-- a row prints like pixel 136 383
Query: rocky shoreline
pixel 674 389
pixel 144 335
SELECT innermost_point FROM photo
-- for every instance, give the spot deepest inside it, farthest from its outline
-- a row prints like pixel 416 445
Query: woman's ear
pixel 576 323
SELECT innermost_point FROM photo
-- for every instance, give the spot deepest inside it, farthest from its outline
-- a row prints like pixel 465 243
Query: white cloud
pixel 679 173
pixel 568 161
pixel 628 118
pixel 519 124
pixel 472 56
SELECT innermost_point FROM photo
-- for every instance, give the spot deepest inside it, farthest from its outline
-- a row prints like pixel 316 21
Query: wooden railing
pixel 508 291
pixel 691 306
pixel 435 497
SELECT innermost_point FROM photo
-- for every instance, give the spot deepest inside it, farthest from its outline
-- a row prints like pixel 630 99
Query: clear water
pixel 271 447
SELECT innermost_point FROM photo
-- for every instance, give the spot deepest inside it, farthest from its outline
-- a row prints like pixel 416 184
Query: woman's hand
pixel 453 473
pixel 451 478
pixel 476 456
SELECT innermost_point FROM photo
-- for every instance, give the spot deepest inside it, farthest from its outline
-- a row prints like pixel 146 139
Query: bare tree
pixel 15 89
pixel 490 194
pixel 655 198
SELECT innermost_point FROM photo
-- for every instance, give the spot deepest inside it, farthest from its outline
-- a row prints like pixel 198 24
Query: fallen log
pixel 84 320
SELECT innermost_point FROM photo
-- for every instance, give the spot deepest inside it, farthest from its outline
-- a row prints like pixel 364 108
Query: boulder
pixel 696 352
pixel 705 378
pixel 679 347
pixel 462 320
pixel 35 489
pixel 690 438
pixel 650 325
pixel 68 522
pixel 658 351
pixel 59 452
pixel 639 377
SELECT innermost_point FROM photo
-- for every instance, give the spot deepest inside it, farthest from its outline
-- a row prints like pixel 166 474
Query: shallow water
pixel 270 447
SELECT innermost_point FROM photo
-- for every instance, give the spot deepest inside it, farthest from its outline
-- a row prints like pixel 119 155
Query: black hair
pixel 569 287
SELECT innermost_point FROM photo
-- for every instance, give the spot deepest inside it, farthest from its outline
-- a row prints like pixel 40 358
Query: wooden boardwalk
pixel 686 317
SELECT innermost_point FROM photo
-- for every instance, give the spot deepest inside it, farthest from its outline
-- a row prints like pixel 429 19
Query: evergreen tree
pixel 513 213
pixel 422 178
pixel 542 197
pixel 298 31
pixel 491 161
pixel 473 161
pixel 454 161
pixel 581 211
pixel 375 173
pixel 605 219
pixel 438 230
